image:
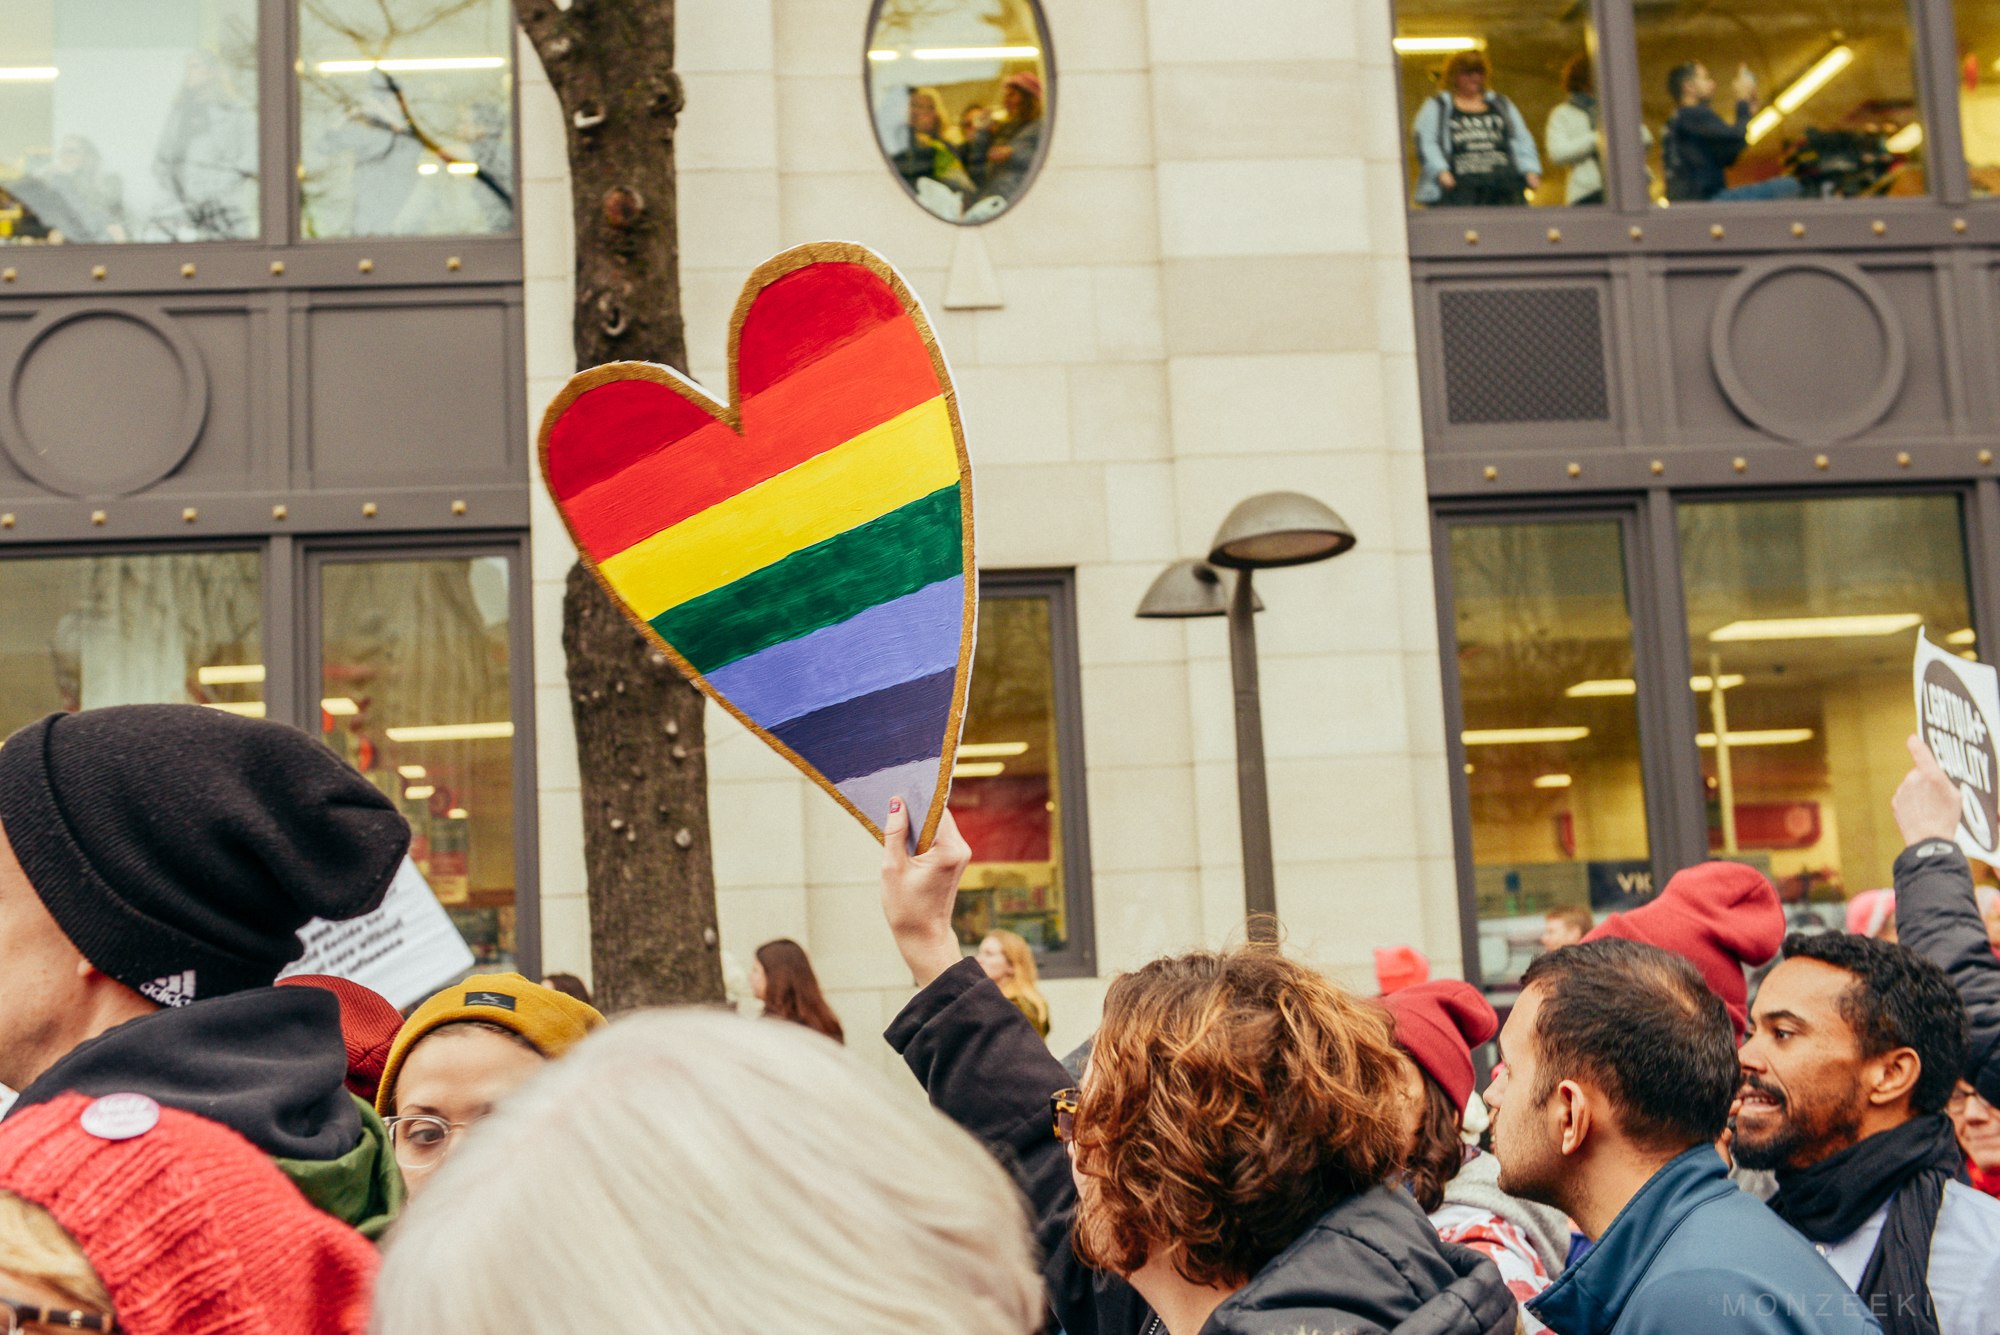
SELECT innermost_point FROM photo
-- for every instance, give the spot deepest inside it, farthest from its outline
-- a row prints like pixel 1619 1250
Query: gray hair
pixel 697 1172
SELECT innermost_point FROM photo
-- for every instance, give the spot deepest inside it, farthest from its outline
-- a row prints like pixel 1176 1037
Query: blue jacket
pixel 1692 1252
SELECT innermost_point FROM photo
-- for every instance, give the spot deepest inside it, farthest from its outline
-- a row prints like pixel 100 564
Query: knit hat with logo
pixel 553 1021
pixel 1719 916
pixel 192 1231
pixel 182 848
pixel 1439 1024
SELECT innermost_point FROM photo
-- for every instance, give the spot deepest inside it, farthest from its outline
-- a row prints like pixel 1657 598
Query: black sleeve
pixel 984 1067
pixel 1701 122
pixel 1937 916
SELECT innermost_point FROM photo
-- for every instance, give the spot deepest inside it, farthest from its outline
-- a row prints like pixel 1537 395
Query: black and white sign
pixel 1958 707
pixel 405 950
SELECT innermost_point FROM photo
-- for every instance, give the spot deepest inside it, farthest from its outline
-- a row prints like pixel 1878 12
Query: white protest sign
pixel 1958 708
pixel 404 950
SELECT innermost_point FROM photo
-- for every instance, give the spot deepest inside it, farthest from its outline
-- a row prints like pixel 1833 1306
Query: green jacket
pixel 363 1187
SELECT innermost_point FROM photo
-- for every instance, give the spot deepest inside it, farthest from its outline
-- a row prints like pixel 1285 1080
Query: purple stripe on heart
pixel 914 636
pixel 876 731
pixel 914 783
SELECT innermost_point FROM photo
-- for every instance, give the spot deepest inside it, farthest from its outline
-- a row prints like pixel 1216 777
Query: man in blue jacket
pixel 1619 1069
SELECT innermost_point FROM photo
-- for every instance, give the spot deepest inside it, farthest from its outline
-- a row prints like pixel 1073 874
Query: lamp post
pixel 1279 528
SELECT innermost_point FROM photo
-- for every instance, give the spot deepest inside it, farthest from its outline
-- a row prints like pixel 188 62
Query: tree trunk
pixel 638 723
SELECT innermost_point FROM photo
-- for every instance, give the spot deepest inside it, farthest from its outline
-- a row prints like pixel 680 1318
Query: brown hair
pixel 1232 1099
pixel 1439 1152
pixel 1025 979
pixel 1463 62
pixel 1576 74
pixel 791 991
pixel 1580 918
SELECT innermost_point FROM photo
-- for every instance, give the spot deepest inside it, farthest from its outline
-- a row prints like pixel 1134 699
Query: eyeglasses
pixel 421 1140
pixel 1062 1110
pixel 19 1314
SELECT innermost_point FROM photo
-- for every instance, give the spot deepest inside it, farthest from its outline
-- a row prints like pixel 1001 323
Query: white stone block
pixel 1013 415
pixel 1048 318
pixel 720 35
pixel 1131 825
pixel 757 831
pixel 1130 324
pixel 1046 515
pixel 1135 714
pixel 1118 412
pixel 1198 31
pixel 1263 206
pixel 728 218
pixel 730 123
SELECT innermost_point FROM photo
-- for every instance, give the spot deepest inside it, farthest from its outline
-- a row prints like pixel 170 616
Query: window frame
pixel 1078 958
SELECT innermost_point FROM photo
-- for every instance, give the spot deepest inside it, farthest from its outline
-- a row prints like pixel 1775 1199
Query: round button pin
pixel 120 1116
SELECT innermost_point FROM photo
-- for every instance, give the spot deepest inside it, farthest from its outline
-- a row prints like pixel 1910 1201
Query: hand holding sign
pixel 1926 804
pixel 1958 705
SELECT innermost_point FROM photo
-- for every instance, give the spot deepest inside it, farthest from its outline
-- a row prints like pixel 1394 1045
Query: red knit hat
pixel 1440 1024
pixel 1398 967
pixel 1720 916
pixel 367 1021
pixel 191 1229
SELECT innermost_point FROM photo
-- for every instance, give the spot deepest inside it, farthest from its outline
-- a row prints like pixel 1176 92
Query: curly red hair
pixel 1232 1099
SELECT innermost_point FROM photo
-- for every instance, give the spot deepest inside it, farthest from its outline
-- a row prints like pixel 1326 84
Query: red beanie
pixel 367 1021
pixel 1397 967
pixel 192 1231
pixel 1720 916
pixel 1440 1024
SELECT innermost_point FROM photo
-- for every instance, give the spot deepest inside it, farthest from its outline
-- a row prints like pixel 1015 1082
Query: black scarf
pixel 1830 1200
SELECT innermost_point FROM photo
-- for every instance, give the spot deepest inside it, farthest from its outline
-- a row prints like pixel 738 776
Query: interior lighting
pixel 339 705
pixel 456 813
pixel 1434 46
pixel 885 55
pixel 412 66
pixel 1818 628
pixel 977 53
pixel 1762 124
pixel 1906 139
pixel 247 708
pixel 1552 781
pixel 1602 686
pixel 412 771
pixel 1758 737
pixel 27 73
pixel 462 168
pixel 1520 736
pixel 417 792
pixel 993 748
pixel 1795 94
pixel 243 674
pixel 427 169
pixel 983 769
pixel 1966 636
pixel 451 732
pixel 1705 684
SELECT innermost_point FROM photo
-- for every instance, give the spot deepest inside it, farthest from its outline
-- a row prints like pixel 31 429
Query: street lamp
pixel 1279 528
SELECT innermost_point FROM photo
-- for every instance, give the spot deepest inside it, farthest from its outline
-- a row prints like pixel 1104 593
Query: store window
pixel 168 628
pixel 415 693
pixel 1979 92
pixel 1016 789
pixel 1802 621
pixel 1499 104
pixel 1550 731
pixel 406 114
pixel 128 122
pixel 961 92
pixel 1774 100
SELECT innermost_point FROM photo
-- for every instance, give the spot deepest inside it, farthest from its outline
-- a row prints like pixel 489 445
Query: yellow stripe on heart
pixel 906 458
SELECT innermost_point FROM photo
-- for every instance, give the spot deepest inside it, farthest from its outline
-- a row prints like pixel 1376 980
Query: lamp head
pixel 1279 528
pixel 1189 588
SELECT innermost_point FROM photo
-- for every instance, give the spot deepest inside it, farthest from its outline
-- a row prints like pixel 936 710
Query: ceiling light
pixel 885 55
pixel 984 769
pixel 1762 124
pixel 451 732
pixel 1906 139
pixel 1435 46
pixel 992 748
pixel 26 73
pixel 412 771
pixel 412 66
pixel 1966 636
pixel 1758 737
pixel 462 168
pixel 417 792
pixel 978 53
pixel 1705 684
pixel 247 708
pixel 456 813
pixel 1520 736
pixel 1552 781
pixel 240 674
pixel 340 705
pixel 1818 628
pixel 1602 686
pixel 1814 79
pixel 427 169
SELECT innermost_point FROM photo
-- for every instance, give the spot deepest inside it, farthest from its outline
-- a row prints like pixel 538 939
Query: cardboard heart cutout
pixel 802 553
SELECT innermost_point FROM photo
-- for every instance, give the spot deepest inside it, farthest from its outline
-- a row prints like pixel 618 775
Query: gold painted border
pixel 765 274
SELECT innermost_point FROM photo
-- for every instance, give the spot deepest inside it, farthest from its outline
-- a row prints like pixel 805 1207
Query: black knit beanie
pixel 182 848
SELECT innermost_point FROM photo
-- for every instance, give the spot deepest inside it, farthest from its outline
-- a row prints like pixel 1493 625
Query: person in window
pixel 1571 134
pixel 1472 142
pixel 206 161
pixel 927 156
pixel 1699 146
pixel 75 195
pixel 1006 149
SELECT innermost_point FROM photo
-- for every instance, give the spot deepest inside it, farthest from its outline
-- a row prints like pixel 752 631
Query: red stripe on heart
pixel 864 383
pixel 611 427
pixel 804 316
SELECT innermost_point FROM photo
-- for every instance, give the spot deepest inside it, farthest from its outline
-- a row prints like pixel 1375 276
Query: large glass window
pixel 406 115
pixel 128 120
pixel 86 631
pixel 415 678
pixel 1979 92
pixel 1551 730
pixel 1802 620
pixel 1774 99
pixel 1499 103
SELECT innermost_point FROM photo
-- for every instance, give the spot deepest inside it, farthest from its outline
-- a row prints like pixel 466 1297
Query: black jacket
pixel 1937 917
pixel 1701 146
pixel 1371 1264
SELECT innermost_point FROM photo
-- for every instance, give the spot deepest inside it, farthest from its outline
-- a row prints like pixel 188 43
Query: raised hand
pixel 918 892
pixel 1926 804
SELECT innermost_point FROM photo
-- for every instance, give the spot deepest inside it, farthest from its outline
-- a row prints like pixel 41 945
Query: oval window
pixel 961 95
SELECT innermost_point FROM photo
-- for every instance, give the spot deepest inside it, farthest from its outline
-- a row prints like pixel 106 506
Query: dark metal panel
pixel 1689 228
pixel 278 117
pixel 1674 794
pixel 407 509
pixel 208 266
pixel 1454 753
pixel 284 640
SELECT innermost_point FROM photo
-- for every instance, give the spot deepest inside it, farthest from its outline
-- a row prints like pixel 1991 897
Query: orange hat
pixel 1398 967
pixel 191 1229
pixel 368 1024
pixel 549 1019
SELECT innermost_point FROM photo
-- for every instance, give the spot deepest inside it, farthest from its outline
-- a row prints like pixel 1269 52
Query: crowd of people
pixel 1244 1147
pixel 972 165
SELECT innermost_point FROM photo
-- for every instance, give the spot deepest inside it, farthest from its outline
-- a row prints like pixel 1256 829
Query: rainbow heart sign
pixel 803 552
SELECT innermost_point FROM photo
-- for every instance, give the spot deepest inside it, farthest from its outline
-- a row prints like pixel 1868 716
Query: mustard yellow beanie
pixel 553 1021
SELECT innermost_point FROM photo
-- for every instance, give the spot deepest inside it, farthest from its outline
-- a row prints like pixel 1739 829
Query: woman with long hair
pixel 782 978
pixel 1011 965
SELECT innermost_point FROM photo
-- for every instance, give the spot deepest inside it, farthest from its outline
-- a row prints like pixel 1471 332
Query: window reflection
pixel 961 100
pixel 405 117
pixel 1780 101
pixel 1551 730
pixel 128 123
pixel 1501 105
pixel 83 632
pixel 415 694
pixel 1979 92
